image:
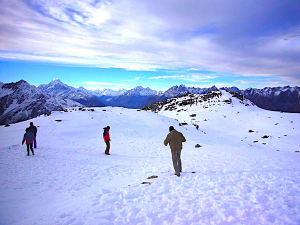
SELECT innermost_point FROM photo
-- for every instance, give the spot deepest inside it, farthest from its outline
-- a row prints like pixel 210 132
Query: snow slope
pixel 69 180
pixel 230 119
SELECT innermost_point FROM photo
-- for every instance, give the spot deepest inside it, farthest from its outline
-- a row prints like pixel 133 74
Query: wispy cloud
pixel 191 78
pixel 135 79
pixel 91 85
pixel 225 36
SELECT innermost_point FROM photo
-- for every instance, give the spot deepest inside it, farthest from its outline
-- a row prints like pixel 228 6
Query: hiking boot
pixel 106 153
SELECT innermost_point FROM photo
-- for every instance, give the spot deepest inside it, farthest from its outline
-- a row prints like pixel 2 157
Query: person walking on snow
pixel 106 138
pixel 29 138
pixel 33 130
pixel 175 139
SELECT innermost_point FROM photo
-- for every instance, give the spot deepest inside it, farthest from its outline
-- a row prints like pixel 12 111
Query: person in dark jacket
pixel 175 139
pixel 29 138
pixel 106 138
pixel 33 130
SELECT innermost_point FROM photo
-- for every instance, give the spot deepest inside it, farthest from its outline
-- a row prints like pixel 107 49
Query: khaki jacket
pixel 174 139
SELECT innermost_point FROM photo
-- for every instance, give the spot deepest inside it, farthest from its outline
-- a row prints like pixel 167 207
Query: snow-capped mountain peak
pixel 56 88
pixel 140 91
pixel 182 89
pixel 56 81
pixel 110 92
pixel 21 101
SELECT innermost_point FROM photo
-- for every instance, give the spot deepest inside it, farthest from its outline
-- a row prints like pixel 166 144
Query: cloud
pixel 135 79
pixel 224 36
pixel 91 85
pixel 191 77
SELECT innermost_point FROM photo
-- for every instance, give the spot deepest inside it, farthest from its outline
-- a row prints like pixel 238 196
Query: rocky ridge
pixel 201 100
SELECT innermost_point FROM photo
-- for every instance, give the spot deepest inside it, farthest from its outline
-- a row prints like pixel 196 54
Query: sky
pixel 158 44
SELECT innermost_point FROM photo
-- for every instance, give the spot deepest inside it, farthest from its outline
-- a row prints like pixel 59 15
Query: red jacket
pixel 106 136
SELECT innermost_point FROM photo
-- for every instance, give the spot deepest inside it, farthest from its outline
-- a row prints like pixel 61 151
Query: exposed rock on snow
pixel 180 103
pixel 152 177
pixel 146 183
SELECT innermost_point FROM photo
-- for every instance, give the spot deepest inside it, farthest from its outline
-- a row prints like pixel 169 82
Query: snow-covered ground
pixel 240 177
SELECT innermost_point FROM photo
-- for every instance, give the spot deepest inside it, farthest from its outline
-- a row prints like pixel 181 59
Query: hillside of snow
pixel 234 120
pixel 246 172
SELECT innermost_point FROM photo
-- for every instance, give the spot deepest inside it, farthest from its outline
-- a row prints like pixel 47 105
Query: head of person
pixel 31 123
pixel 171 128
pixel 108 127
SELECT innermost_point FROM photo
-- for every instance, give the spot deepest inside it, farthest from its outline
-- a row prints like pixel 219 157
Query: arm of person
pixel 23 140
pixel 167 140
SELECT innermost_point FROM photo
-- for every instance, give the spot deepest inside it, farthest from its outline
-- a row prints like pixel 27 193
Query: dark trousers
pixel 107 147
pixel 34 142
pixel 177 161
pixel 30 146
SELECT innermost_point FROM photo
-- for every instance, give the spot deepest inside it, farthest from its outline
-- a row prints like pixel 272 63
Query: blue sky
pixel 159 43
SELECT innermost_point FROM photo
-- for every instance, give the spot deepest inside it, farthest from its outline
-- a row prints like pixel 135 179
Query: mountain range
pixel 58 89
pixel 21 101
pixel 133 98
pixel 285 99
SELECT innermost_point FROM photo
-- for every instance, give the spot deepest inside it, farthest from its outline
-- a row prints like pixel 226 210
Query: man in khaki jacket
pixel 175 139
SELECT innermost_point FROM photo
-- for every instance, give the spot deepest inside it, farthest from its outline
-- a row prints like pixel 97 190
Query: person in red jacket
pixel 29 138
pixel 106 138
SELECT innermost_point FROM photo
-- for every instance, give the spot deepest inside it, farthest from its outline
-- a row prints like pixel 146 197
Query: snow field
pixel 71 181
pixel 232 123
